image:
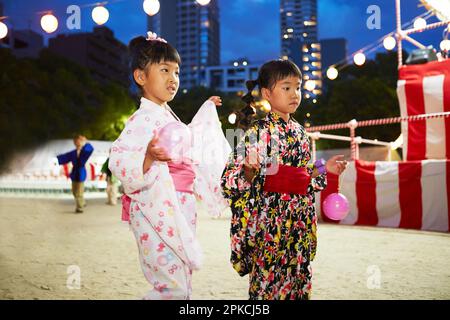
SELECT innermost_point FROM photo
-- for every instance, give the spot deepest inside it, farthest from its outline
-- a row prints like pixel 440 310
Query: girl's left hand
pixel 336 164
pixel 217 100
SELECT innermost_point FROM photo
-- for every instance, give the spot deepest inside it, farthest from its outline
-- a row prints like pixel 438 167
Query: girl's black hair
pixel 143 52
pixel 269 74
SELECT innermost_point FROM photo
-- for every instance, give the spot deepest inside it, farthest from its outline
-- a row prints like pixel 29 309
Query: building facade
pixel 99 51
pixel 333 51
pixel 231 78
pixel 299 40
pixel 194 30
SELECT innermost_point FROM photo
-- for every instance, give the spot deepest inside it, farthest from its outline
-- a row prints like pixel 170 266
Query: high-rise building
pixel 99 51
pixel 231 78
pixel 25 43
pixel 193 30
pixel 299 40
pixel 333 51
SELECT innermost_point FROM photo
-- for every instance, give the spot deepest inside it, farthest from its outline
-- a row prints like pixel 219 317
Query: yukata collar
pixel 275 117
pixel 151 106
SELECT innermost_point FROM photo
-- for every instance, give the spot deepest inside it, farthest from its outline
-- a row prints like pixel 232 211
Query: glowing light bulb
pixel 151 7
pixel 49 23
pixel 100 15
pixel 359 59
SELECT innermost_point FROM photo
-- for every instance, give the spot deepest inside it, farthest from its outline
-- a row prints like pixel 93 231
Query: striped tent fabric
pixel 410 194
pixel 425 88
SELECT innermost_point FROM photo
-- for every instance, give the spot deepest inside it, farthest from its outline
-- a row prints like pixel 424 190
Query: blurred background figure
pixel 112 188
pixel 79 156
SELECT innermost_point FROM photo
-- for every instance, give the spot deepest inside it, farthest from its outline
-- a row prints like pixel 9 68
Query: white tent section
pixel 39 169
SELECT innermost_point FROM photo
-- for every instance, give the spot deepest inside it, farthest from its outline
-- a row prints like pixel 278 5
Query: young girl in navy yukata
pixel 271 191
pixel 160 194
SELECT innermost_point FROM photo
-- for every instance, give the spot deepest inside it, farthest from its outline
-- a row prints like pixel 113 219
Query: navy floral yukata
pixel 273 235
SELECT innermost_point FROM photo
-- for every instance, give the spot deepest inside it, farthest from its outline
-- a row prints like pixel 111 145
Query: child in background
pixel 79 156
pixel 112 188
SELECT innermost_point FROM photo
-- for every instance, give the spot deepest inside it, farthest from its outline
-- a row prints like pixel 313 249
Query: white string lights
pixel 388 41
pixel 151 7
pixel 49 23
pixel 3 30
pixel 100 15
pixel 359 58
pixel 203 2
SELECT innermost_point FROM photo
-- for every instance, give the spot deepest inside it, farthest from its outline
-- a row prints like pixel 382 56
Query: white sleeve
pixel 128 154
pixel 210 153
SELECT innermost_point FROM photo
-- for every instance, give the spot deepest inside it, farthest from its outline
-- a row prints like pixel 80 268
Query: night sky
pixel 249 28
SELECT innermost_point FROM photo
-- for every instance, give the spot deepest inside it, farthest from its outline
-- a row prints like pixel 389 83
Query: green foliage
pixel 186 104
pixel 53 98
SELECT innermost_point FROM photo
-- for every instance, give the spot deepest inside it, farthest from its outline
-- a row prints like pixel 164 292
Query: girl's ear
pixel 139 76
pixel 265 93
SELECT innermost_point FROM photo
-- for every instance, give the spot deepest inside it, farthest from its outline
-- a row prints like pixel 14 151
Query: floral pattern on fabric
pixel 273 235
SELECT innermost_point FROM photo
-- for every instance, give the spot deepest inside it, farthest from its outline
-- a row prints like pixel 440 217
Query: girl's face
pixel 160 81
pixel 285 96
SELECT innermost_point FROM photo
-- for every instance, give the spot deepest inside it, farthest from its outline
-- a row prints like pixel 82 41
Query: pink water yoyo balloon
pixel 175 139
pixel 336 206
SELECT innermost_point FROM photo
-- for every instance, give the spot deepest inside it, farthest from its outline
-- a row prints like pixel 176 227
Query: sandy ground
pixel 42 240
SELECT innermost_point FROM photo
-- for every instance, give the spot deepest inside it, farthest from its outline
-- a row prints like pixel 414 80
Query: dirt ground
pixel 43 244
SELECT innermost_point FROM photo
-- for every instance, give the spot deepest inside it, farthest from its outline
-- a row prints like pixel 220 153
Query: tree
pixel 53 98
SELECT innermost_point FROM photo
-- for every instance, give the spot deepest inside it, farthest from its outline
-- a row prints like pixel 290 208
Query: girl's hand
pixel 153 153
pixel 156 153
pixel 217 100
pixel 336 164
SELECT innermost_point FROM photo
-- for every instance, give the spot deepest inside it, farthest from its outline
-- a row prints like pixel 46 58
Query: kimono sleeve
pixel 128 153
pixel 318 183
pixel 233 180
pixel 210 152
pixel 86 152
pixel 65 157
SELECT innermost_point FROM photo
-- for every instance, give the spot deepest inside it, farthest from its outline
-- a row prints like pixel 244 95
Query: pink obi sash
pixel 183 176
pixel 126 203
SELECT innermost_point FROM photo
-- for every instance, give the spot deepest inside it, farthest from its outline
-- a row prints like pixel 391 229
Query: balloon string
pixel 340 179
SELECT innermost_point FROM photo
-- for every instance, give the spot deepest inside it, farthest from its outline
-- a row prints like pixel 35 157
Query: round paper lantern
pixel 49 23
pixel 100 15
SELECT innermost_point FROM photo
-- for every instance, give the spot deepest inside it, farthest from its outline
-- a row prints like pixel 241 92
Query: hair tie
pixel 152 36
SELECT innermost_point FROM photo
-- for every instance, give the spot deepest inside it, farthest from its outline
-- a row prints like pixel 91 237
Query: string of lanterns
pixel 100 15
pixel 389 42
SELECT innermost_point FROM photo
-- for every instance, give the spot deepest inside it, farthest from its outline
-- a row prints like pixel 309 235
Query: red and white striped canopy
pixel 425 88
pixel 410 194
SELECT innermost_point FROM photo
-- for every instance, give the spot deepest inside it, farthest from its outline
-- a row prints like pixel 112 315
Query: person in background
pixel 79 156
pixel 112 188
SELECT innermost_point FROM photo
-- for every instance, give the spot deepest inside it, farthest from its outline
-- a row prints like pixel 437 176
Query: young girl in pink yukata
pixel 160 194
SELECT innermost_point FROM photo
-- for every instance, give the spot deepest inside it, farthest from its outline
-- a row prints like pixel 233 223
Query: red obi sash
pixel 288 179
pixel 183 176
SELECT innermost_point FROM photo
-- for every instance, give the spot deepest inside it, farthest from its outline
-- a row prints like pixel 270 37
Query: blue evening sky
pixel 249 28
